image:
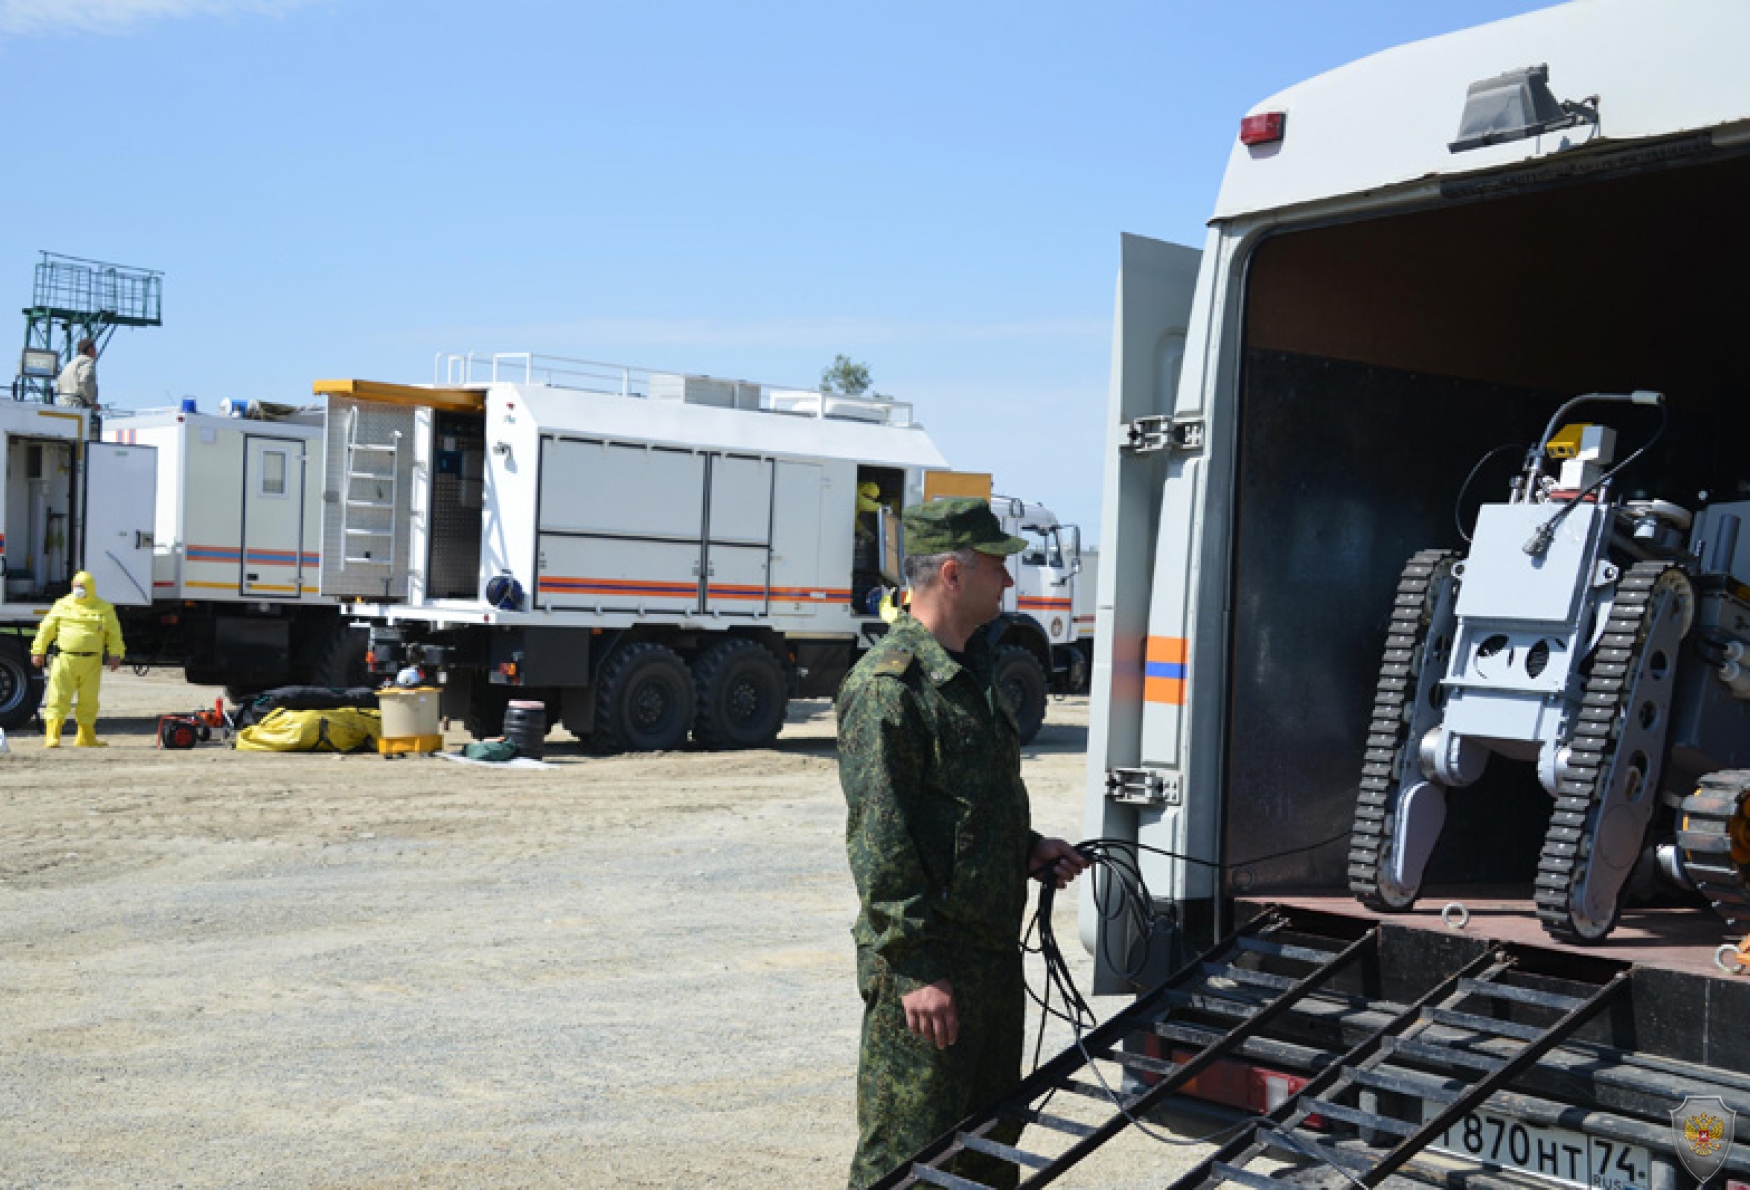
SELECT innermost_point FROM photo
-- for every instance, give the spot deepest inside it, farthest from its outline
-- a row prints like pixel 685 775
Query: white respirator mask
pixel 78 592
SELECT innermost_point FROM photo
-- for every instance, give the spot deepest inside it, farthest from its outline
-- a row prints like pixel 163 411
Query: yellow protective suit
pixel 85 629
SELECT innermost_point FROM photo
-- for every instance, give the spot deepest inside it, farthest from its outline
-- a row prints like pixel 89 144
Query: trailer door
pixel 273 510
pixel 121 486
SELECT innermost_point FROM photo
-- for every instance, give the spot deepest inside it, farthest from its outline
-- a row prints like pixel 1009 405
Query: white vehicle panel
pixel 737 580
pixel 741 499
pixel 119 485
pixel 629 491
pixel 1340 139
pixel 617 574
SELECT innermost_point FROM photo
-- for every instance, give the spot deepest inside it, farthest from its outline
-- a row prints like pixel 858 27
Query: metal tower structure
pixel 76 299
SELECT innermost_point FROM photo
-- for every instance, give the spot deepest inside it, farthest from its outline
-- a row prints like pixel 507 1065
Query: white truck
pixel 649 555
pixel 1049 579
pixel 237 560
pixel 66 504
pixel 1412 262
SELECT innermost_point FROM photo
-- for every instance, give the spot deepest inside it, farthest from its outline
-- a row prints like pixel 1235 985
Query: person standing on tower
pixel 76 386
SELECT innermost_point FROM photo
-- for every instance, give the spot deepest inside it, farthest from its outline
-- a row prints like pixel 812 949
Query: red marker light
pixel 1263 128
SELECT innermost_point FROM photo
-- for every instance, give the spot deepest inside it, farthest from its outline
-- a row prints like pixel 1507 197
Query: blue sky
pixel 349 187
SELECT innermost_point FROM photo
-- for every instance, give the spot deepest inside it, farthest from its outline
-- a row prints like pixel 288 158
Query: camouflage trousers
pixel 909 1092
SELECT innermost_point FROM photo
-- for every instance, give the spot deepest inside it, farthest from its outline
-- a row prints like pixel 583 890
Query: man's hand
pixel 115 663
pixel 38 660
pixel 1056 861
pixel 929 1013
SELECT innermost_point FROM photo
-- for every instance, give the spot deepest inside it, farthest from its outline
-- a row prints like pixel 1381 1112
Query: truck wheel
pixel 644 701
pixel 340 663
pixel 742 696
pixel 1022 680
pixel 21 684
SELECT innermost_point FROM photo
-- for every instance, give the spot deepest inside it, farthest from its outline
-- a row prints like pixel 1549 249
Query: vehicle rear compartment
pixel 1384 360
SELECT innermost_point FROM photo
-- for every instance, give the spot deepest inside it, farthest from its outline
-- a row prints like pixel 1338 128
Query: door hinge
pixel 1143 787
pixel 1146 435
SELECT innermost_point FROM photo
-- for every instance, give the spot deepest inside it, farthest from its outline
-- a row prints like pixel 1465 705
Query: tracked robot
pixel 1605 641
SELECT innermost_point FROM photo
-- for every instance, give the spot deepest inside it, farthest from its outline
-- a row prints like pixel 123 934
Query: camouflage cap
pixel 963 522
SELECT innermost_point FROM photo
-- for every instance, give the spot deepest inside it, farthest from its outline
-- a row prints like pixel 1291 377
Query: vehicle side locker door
pixel 121 485
pixel 798 557
pixel 738 549
pixel 621 526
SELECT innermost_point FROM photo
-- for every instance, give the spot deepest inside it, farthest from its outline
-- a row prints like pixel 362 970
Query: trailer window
pixel 273 473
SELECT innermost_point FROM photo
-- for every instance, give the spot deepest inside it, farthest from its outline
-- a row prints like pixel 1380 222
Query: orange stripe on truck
pixel 1164 670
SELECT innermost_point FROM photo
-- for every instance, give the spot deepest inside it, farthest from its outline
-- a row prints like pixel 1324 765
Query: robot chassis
pixel 1600 640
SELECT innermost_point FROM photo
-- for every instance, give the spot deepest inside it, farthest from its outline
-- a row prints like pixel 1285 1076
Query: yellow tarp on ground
pixel 341 729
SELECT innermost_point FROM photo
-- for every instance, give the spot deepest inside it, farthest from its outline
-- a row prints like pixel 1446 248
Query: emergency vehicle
pixel 1414 263
pixel 66 504
pixel 650 556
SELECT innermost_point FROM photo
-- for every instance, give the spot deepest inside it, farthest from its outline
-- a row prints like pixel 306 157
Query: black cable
pixel 1540 540
pixel 1118 860
pixel 1464 488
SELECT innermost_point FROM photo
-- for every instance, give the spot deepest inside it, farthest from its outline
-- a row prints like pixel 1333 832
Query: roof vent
pixel 1517 105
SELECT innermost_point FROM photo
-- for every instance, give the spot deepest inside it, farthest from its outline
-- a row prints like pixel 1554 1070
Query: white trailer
pixel 237 565
pixel 648 554
pixel 1413 261
pixel 66 504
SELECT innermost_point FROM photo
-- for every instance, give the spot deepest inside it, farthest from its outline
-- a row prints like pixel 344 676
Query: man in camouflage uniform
pixel 940 844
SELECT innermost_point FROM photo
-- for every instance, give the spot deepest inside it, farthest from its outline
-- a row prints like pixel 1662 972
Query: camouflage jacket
pixel 938 829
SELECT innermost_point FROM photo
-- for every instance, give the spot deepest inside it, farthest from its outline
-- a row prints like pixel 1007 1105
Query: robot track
pixel 1389 746
pixel 1606 772
pixel 1713 834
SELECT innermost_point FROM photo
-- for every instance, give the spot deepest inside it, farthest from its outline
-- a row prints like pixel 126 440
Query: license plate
pixel 1555 1153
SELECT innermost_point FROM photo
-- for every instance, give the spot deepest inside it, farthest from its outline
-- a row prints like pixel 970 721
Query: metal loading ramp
pixel 1423 1056
pixel 1386 1082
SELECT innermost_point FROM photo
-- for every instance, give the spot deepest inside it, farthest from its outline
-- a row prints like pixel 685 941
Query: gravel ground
pixel 240 970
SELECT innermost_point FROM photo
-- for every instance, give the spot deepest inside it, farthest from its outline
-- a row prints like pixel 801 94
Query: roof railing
pixel 522 367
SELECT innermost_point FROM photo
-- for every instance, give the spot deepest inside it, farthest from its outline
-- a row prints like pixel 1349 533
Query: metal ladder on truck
pixel 1429 1064
pixel 1259 973
pixel 361 497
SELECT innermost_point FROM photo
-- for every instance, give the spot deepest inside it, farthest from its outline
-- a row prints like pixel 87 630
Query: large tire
pixel 1021 678
pixel 340 661
pixel 644 701
pixel 743 696
pixel 21 683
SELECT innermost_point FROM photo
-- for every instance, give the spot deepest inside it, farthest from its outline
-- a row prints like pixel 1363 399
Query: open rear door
pixel 121 484
pixel 1140 649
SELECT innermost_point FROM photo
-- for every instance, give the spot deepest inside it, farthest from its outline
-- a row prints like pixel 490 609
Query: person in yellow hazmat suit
pixel 87 632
